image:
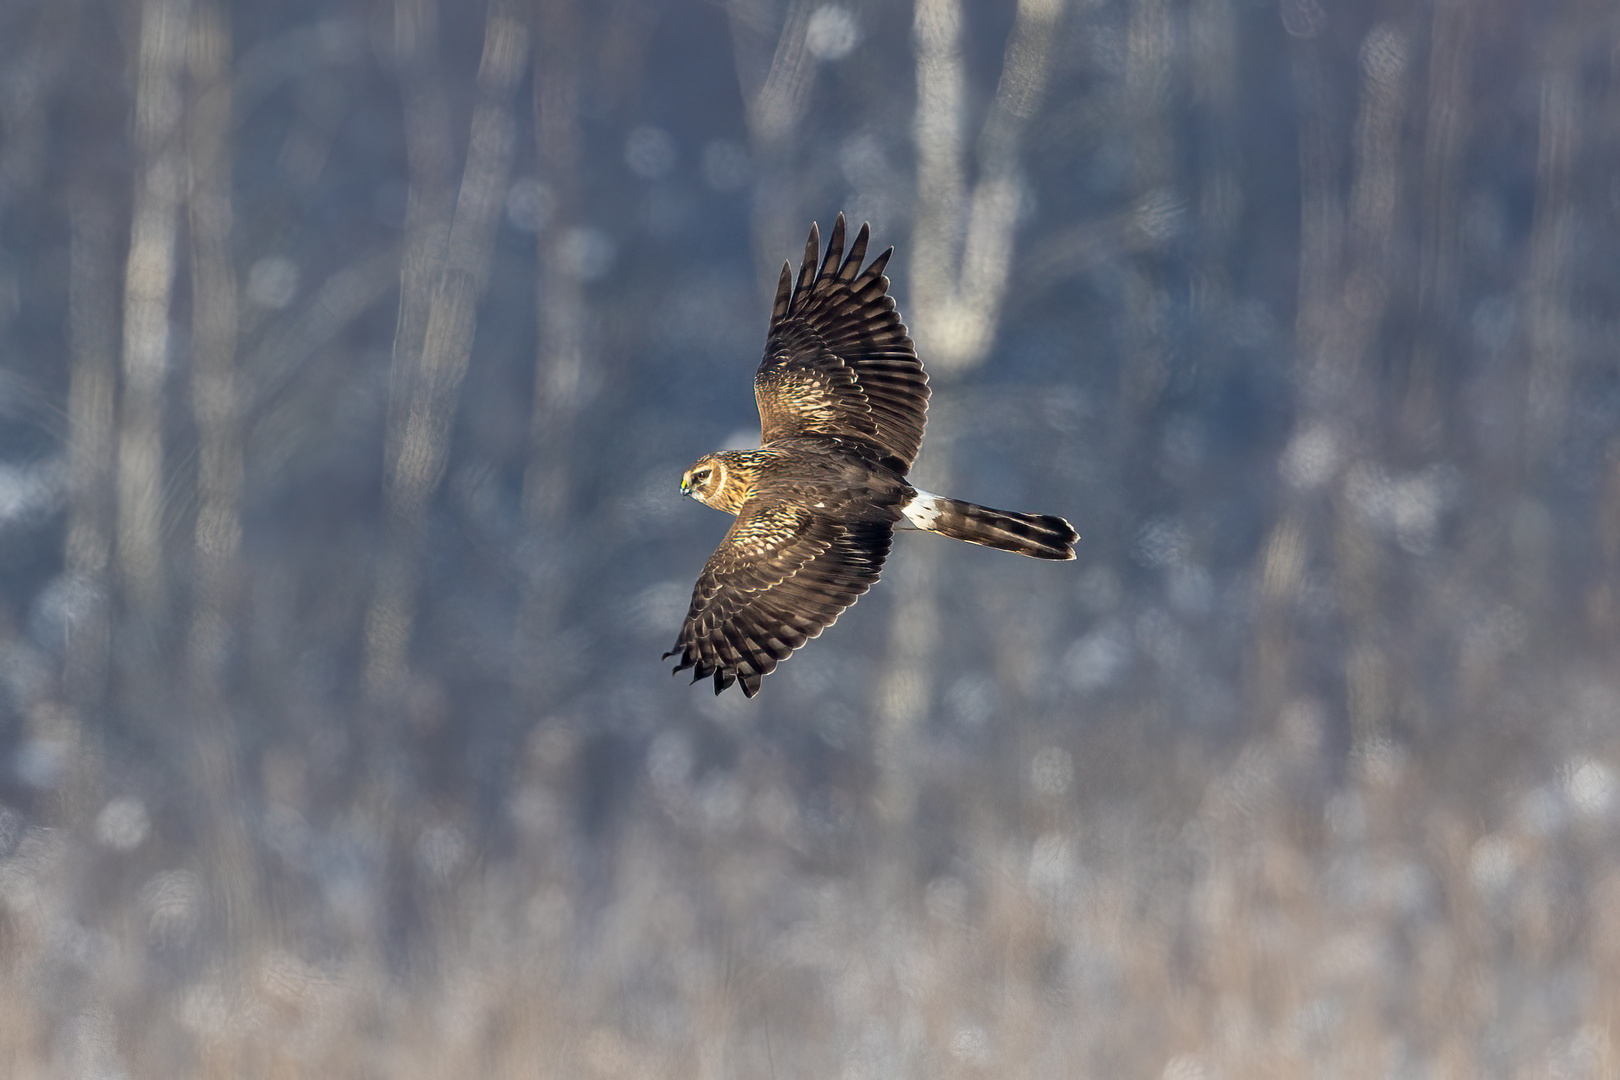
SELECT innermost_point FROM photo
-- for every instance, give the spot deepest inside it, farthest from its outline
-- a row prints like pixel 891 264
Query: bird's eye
pixel 702 474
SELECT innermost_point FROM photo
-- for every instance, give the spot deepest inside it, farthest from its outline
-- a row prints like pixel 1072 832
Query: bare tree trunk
pixel 1550 336
pixel 148 285
pixel 1213 76
pixel 218 537
pixel 1603 606
pixel 443 284
pixel 1348 265
pixel 1148 78
pixel 1287 552
pixel 214 333
pixel 936 234
pixel 961 259
pixel 961 249
pixel 1375 195
pixel 92 397
pixel 1451 49
pixel 429 206
pixel 420 436
pixel 560 356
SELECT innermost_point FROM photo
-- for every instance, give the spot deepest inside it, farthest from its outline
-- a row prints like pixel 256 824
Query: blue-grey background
pixel 351 353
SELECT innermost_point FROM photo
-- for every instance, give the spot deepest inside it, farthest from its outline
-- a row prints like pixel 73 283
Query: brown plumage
pixel 842 405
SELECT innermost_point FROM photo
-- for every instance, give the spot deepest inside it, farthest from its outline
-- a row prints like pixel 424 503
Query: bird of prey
pixel 842 400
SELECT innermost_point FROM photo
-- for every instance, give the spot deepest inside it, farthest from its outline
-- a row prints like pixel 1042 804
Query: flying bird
pixel 842 402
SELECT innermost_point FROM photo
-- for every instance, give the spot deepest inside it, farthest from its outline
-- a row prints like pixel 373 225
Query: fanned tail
pixel 1040 536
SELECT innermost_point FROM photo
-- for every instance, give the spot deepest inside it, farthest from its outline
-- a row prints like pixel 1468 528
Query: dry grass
pixel 1220 918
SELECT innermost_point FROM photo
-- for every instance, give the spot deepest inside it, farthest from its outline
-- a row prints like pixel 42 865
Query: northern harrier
pixel 842 401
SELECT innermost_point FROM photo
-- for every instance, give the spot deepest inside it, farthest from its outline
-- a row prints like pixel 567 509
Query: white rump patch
pixel 922 511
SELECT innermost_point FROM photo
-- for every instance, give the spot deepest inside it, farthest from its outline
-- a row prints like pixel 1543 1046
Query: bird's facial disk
pixel 699 480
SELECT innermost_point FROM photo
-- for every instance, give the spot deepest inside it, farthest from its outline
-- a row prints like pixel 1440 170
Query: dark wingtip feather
pixel 857 252
pixel 784 292
pixel 835 250
pixel 807 268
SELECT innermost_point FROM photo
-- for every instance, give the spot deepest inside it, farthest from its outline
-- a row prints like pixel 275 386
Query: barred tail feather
pixel 1040 536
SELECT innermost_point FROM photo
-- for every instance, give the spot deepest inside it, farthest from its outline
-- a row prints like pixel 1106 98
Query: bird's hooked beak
pixel 686 484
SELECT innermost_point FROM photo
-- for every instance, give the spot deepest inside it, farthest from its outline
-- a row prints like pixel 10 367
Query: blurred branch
pixel 429 204
pixel 1214 88
pixel 1321 217
pixel 776 93
pixel 1547 283
pixel 1375 197
pixel 429 207
pixel 620 65
pixel 777 104
pixel 38 60
pixel 265 66
pixel 148 284
pixel 1060 255
pixel 1282 565
pixel 341 299
pixel 428 413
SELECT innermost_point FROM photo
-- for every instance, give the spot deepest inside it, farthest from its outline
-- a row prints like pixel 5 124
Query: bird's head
pixel 706 480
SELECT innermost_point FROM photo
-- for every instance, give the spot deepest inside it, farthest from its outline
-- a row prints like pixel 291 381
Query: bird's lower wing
pixel 780 577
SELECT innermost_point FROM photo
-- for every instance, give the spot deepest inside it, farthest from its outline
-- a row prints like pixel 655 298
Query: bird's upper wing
pixel 838 360
pixel 782 575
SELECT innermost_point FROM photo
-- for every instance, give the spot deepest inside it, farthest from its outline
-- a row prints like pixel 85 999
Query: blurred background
pixel 350 356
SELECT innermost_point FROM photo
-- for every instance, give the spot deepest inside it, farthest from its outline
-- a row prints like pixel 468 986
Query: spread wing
pixel 781 576
pixel 838 360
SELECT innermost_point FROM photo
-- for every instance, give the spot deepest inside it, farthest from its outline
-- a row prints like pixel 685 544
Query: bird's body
pixel 815 469
pixel 842 401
